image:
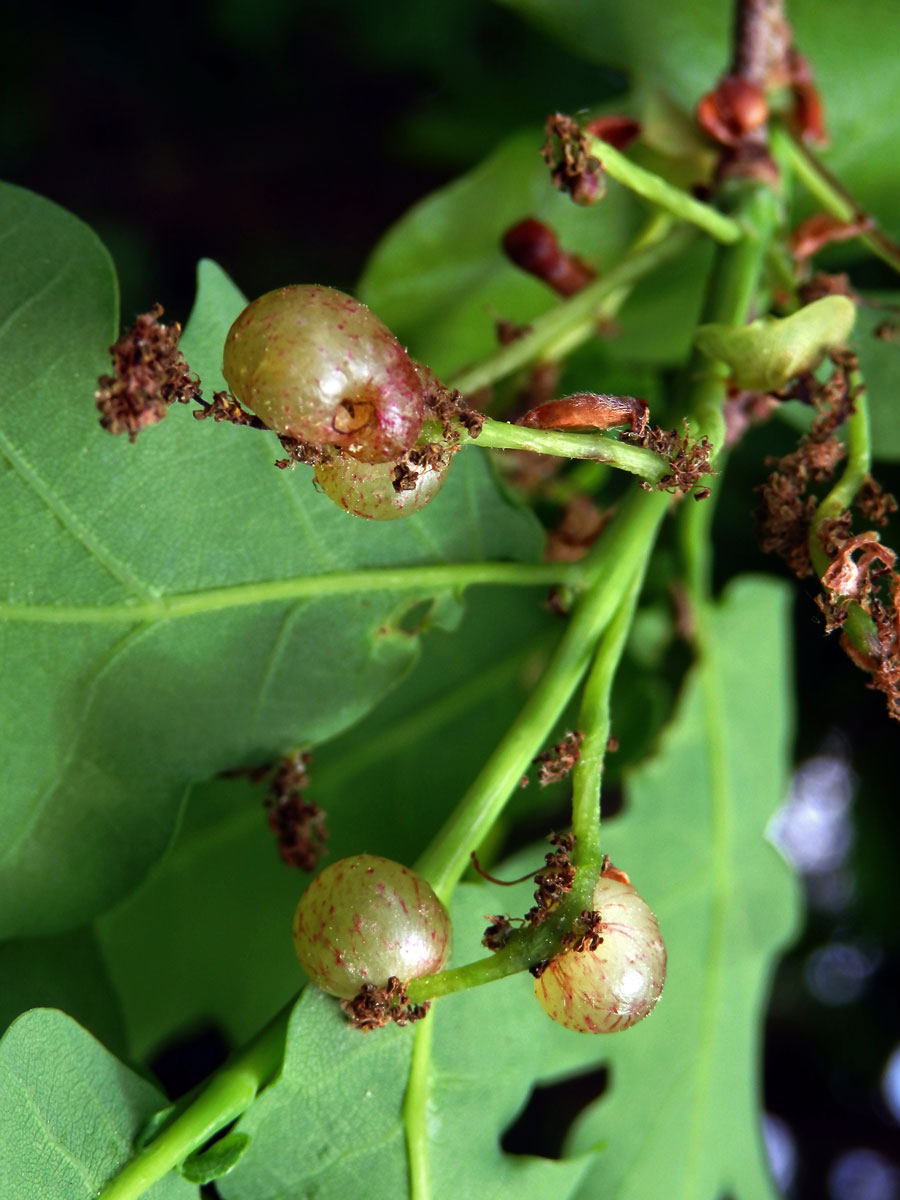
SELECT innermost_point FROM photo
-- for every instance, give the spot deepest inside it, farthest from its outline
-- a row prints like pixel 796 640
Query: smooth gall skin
pixel 317 365
pixel 364 919
pixel 616 985
pixel 367 490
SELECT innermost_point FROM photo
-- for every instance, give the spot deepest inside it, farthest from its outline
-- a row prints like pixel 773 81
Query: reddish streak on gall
pixel 587 409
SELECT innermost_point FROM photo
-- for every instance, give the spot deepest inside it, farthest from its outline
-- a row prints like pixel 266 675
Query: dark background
pixel 282 140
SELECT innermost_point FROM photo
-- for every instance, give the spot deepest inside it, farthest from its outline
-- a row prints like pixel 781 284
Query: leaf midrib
pixel 713 700
pixel 185 604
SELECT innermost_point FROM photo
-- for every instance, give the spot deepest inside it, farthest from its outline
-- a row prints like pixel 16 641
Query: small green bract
pixel 767 353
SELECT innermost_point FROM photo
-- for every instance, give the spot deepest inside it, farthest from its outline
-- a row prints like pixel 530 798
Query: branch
pixel 831 194
pixel 654 188
pixel 650 466
pixel 576 313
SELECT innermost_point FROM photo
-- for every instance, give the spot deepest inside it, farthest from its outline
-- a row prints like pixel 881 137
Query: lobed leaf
pixel 680 1115
pixel 69 1113
pixel 166 606
pixel 222 897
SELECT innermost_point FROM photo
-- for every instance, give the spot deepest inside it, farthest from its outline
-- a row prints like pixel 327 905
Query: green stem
pixel 546 329
pixel 414 578
pixel 695 538
pixel 859 626
pixel 527 946
pixel 616 568
pixel 620 557
pixel 673 200
pixel 498 435
pixel 859 461
pixel 571 339
pixel 830 193
pixel 229 1093
pixel 508 961
pixel 594 722
pixel 730 298
pixel 415 1112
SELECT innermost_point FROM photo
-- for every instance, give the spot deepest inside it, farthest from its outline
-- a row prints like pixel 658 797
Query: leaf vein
pixel 53 1139
pixel 70 522
pixel 91 684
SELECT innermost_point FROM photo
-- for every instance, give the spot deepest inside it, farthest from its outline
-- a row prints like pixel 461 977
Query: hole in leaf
pixel 543 1124
pixel 410 620
pixel 187 1060
pixel 416 618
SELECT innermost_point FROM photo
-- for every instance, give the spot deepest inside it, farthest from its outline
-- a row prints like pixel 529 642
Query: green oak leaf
pixel 69 1113
pixel 172 608
pixel 682 1117
pixel 386 786
pixel 680 1114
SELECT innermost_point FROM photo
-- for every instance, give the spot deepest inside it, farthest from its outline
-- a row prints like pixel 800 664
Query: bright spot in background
pixel 863 1175
pixel 890 1084
pixel 813 829
pixel 781 1150
pixel 839 972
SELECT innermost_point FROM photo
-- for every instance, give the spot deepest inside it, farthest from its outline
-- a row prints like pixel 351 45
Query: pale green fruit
pixel 365 919
pixel 367 489
pixel 613 987
pixel 317 365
